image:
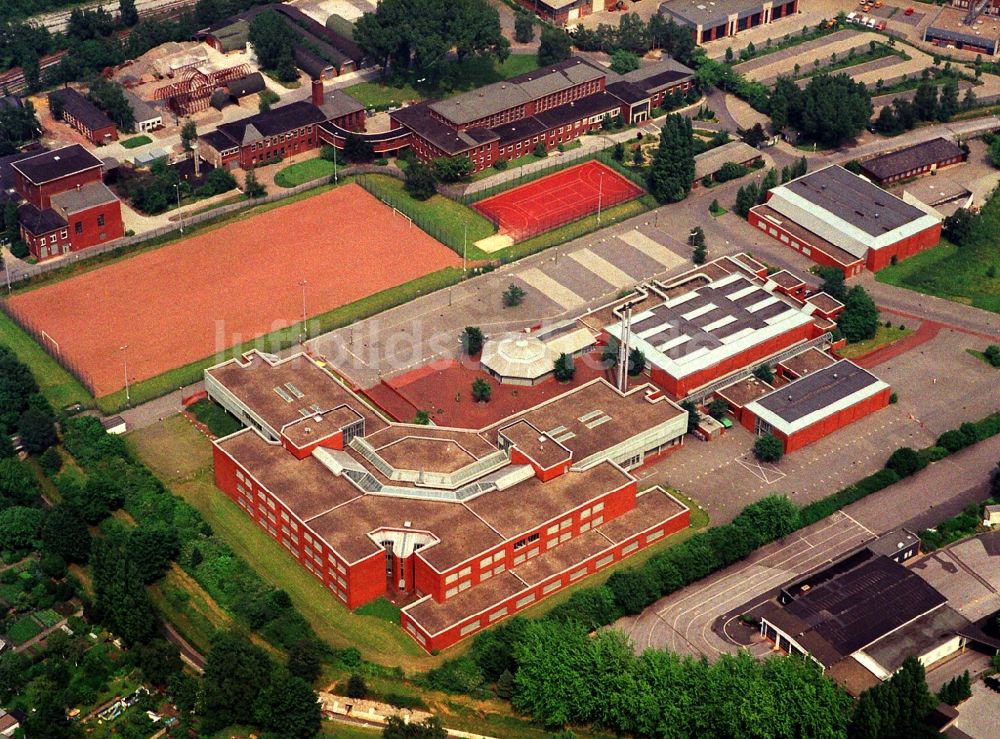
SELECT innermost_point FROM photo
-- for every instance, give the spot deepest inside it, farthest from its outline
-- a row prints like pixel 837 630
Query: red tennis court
pixel 557 199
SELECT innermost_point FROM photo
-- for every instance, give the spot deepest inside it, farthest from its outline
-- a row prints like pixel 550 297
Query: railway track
pixel 13 80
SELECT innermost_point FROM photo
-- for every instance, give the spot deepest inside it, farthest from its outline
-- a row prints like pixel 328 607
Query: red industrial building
pixel 816 404
pixel 68 206
pixel 717 320
pixel 84 116
pixel 709 21
pixel 463 527
pixel 839 219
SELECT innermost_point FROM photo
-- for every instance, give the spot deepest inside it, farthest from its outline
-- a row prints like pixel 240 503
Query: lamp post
pixel 465 242
pixel 128 394
pixel 302 284
pixel 177 189
pixel 600 195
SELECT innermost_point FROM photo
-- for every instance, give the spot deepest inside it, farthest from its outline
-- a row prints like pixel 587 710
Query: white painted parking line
pixel 650 248
pixel 602 268
pixel 554 291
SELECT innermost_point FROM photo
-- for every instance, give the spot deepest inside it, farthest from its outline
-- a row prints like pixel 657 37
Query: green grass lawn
pixel 219 421
pixel 302 172
pixel 48 617
pixel 448 221
pixel 457 77
pixel 58 386
pixel 953 273
pixel 136 141
pixel 23 630
pixel 380 608
pixel 883 337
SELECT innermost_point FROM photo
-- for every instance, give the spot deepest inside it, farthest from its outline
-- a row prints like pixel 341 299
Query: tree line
pixel 416 37
pixel 242 682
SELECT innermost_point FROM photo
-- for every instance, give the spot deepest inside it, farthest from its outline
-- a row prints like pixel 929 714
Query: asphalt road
pixel 691 620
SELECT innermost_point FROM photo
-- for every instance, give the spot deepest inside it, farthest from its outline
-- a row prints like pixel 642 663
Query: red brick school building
pixel 465 527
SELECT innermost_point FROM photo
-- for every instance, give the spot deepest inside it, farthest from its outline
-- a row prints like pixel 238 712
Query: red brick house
pixel 68 207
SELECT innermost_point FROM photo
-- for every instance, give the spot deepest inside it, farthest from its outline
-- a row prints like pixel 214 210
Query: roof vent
pixel 55 158
pixel 834 375
pixel 407 524
pixel 317 418
pixel 789 398
pixel 541 439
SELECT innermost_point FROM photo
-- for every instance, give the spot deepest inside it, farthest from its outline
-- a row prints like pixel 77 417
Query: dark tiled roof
pixel 52 165
pixel 600 102
pixel 500 96
pixel 218 141
pixel 82 109
pixel 273 122
pixel 817 390
pixel 338 104
pixel 418 118
pixel 896 163
pixel 39 222
pixel 628 92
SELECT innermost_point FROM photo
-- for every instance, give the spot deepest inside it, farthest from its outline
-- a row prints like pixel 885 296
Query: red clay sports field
pixel 181 303
pixel 557 199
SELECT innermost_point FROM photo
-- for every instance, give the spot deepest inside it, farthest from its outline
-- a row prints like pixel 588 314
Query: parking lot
pixel 977 716
pixel 683 622
pixel 695 619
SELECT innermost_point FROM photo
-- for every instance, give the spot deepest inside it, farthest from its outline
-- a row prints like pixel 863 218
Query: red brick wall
pixel 904 248
pixel 92 233
pixel 681 387
pixel 40 195
pixel 272 147
pixel 815 253
pixel 367 580
pixel 828 425
pixel 454 634
pixel 431 582
pixel 837 421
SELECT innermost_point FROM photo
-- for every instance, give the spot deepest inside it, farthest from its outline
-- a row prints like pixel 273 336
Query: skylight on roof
pixel 283 394
pixel 294 390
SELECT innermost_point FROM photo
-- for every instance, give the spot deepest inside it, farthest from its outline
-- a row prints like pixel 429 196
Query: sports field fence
pixel 454 238
pixel 50 345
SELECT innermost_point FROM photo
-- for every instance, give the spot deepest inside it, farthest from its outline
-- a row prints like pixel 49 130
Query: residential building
pixel 68 206
pixel 147 118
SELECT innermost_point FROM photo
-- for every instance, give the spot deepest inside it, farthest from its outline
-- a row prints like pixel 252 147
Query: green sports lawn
pixel 301 172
